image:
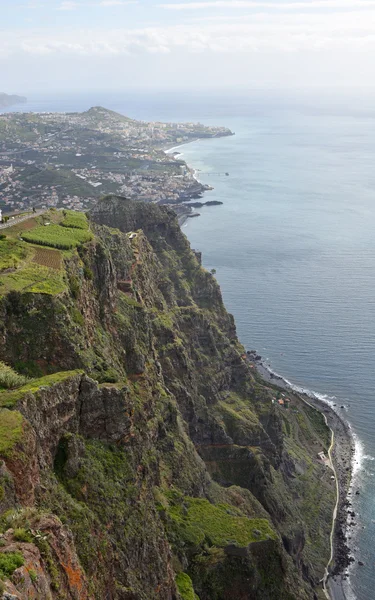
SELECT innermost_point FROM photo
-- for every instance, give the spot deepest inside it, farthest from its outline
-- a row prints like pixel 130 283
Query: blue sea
pixel 293 244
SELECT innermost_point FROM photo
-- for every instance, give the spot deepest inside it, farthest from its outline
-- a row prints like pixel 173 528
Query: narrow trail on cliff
pixel 331 537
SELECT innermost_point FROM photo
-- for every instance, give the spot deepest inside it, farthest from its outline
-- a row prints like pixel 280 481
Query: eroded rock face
pixel 46 574
pixel 75 406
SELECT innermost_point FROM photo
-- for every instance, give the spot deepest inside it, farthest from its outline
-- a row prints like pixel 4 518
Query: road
pixel 16 220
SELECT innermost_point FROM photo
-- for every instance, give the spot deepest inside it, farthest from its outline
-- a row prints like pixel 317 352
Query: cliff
pixel 143 459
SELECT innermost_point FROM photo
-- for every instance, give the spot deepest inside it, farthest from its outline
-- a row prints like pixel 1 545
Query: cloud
pixel 309 5
pixel 261 33
pixel 117 2
pixel 68 6
pixel 33 5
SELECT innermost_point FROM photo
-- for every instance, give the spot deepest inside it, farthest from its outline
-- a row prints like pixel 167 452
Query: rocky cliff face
pixel 150 463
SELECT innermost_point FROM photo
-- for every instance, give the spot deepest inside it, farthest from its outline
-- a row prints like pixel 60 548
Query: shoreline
pixel 342 455
pixel 184 212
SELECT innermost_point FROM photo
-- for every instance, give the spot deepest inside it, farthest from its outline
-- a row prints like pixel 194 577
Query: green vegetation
pixel 9 378
pixel 10 430
pixel 185 587
pixel 46 553
pixel 76 220
pixel 9 562
pixel 12 253
pixel 316 418
pixel 56 236
pixel 197 521
pixel 87 272
pixel 33 278
pixel 9 399
pixel 30 368
pixel 33 269
pixel 33 575
pixel 22 535
pixel 77 316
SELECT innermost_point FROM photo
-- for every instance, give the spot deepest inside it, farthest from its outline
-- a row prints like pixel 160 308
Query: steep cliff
pixel 145 459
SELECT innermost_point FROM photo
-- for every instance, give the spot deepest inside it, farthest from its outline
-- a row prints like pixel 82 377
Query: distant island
pixel 8 100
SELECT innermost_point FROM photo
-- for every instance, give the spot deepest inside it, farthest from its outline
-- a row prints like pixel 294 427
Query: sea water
pixel 293 245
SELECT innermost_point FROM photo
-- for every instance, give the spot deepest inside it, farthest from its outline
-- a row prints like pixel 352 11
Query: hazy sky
pixel 116 44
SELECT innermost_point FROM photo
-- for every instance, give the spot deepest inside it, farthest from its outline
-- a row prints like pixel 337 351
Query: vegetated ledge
pixel 9 398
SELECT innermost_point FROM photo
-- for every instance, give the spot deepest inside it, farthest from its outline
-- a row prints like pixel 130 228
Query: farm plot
pixel 56 236
pixel 76 220
pixel 47 258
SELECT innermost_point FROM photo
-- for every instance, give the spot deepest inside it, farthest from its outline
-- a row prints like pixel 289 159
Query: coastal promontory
pixel 9 100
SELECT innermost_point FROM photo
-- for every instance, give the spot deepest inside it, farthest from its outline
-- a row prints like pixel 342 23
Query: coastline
pixel 185 211
pixel 341 453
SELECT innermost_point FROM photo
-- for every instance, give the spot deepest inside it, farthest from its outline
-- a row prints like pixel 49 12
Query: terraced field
pixel 31 252
pixel 47 258
pixel 56 236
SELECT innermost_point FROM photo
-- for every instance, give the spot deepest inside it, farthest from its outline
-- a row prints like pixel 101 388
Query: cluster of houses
pixel 281 401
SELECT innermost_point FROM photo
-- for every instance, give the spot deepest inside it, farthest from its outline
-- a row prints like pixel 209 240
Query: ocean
pixel 293 245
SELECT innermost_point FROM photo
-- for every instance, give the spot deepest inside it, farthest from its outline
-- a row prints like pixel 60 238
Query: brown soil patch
pixel 47 258
pixel 18 228
pixel 26 225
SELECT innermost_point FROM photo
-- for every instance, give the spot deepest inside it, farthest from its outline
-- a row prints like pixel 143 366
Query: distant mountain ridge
pixel 9 100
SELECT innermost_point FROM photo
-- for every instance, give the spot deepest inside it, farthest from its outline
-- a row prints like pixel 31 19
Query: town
pixel 71 159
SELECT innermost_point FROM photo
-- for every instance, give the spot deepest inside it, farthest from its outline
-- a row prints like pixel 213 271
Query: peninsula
pixel 70 160
pixel 9 100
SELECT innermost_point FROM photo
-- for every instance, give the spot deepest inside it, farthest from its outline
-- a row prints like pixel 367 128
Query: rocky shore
pixel 342 456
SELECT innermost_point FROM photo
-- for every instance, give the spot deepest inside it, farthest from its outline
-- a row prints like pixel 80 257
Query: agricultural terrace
pixel 32 252
pixel 72 231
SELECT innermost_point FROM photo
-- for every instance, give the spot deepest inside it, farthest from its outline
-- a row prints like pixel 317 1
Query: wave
pixel 359 456
pixel 331 400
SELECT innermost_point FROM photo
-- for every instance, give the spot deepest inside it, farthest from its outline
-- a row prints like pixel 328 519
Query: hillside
pixel 142 457
pixel 8 100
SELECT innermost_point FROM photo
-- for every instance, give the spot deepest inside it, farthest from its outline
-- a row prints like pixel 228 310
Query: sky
pixel 76 45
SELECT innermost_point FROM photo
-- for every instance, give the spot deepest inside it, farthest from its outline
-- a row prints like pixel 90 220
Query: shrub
pixel 9 379
pixel 9 562
pixel 29 368
pixel 88 273
pixel 185 587
pixel 108 376
pixel 33 575
pixel 74 286
pixel 21 535
pixel 77 316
